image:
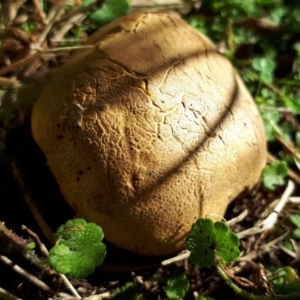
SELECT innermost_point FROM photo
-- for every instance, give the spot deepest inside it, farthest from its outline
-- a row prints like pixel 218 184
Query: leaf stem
pixel 236 288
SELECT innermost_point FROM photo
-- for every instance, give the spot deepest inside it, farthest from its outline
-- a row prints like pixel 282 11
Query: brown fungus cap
pixel 148 131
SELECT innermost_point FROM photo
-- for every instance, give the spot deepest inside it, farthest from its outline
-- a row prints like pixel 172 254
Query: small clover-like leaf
pixel 78 248
pixel 227 243
pixel 200 241
pixel 208 239
pixel 265 67
pixel 274 174
pixel 295 220
pixel 177 286
pixel 270 119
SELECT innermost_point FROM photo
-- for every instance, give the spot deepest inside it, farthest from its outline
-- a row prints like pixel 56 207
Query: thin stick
pixel 102 296
pixel 37 240
pixel 266 224
pixel 6 295
pixel 45 252
pixel 28 198
pixel 288 146
pixel 66 49
pixel 70 286
pixel 39 10
pixel 105 295
pixel 67 26
pixel 18 64
pixel 265 248
pixel 49 25
pixel 9 82
pixel 40 284
pixel 239 218
pixel 81 10
pixel 179 257
pixel 29 59
pixel 288 251
pixel 272 218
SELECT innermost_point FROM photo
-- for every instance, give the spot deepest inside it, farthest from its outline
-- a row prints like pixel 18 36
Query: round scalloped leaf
pixel 176 287
pixel 208 239
pixel 227 243
pixel 78 248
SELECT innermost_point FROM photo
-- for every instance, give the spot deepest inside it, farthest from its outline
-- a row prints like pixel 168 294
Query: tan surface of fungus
pixel 149 131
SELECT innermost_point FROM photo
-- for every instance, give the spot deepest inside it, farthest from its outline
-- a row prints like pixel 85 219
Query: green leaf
pixel 265 67
pixel 87 2
pixel 297 162
pixel 274 175
pixel 177 286
pixel 110 11
pixel 208 238
pixel 295 219
pixel 297 138
pixel 128 291
pixel 285 282
pixel 30 246
pixel 263 64
pixel 292 104
pixel 204 298
pixel 296 234
pixel 78 248
pixel 270 119
pixel 288 244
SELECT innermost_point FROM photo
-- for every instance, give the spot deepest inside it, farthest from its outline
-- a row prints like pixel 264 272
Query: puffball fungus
pixel 148 131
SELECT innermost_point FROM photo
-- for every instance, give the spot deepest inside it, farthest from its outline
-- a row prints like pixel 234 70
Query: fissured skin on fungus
pixel 149 131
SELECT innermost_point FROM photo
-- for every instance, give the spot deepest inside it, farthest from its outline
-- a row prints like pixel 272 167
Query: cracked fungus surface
pixel 149 131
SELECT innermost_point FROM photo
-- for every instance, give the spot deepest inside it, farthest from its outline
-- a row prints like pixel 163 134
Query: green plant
pixel 285 281
pixel 268 63
pixel 208 240
pixel 294 232
pixel 78 248
pixel 110 10
pixel 176 287
pixel 214 244
pixel 274 175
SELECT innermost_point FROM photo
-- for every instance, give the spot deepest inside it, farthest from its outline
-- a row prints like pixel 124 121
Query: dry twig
pixel 6 295
pixel 45 252
pixel 269 222
pixel 40 284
